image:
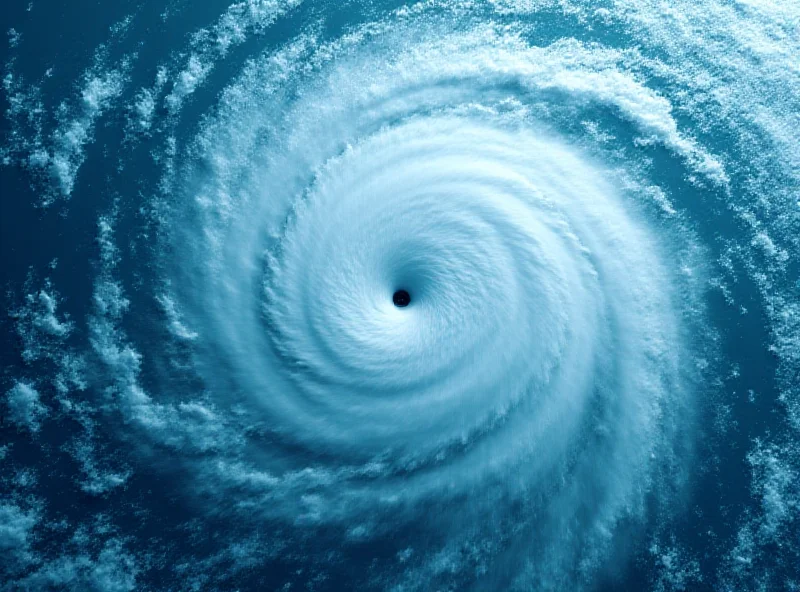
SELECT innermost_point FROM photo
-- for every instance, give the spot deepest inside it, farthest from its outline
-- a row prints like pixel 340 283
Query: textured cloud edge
pixel 595 209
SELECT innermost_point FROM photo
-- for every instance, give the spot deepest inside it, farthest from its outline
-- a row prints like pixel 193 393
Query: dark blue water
pixel 207 209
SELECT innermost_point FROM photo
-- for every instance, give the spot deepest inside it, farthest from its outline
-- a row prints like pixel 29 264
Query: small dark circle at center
pixel 401 298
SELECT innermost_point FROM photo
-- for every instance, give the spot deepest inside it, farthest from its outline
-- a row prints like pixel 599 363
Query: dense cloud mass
pixel 592 210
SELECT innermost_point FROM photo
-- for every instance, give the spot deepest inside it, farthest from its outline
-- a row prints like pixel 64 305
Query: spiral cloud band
pixel 452 295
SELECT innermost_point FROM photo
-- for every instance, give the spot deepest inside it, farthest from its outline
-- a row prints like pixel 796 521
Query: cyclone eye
pixel 401 298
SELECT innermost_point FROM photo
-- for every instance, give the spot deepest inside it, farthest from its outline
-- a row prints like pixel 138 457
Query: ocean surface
pixel 372 295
